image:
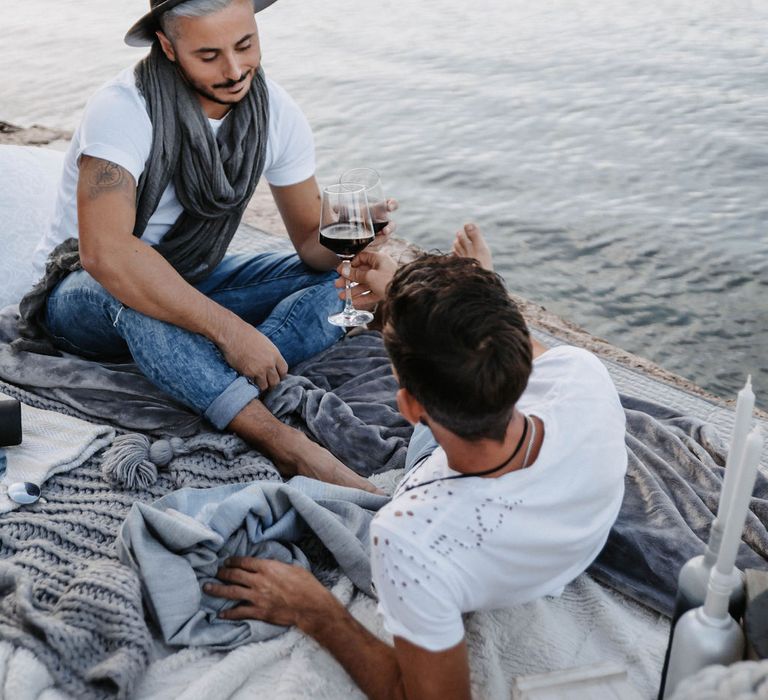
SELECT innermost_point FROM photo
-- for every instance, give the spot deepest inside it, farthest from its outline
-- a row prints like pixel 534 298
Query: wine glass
pixel 346 228
pixel 374 191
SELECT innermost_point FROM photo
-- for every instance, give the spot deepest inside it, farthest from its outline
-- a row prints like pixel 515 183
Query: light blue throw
pixel 178 543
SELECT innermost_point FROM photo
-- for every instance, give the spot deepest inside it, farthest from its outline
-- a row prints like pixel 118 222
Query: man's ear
pixel 410 407
pixel 166 46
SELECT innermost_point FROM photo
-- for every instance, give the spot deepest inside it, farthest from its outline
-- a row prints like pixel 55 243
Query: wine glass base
pixel 352 320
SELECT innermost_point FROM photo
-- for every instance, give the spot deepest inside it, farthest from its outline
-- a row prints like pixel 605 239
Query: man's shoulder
pixel 576 365
pixel 118 96
pixel 569 385
pixel 124 83
pixel 280 99
pixel 570 354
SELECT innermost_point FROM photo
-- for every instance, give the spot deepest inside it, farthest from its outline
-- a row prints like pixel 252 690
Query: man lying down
pixel 514 477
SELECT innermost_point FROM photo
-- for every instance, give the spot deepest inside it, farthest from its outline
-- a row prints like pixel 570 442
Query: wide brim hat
pixel 143 32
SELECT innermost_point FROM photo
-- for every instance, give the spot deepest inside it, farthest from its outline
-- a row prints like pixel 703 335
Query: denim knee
pixel 299 325
pixel 80 316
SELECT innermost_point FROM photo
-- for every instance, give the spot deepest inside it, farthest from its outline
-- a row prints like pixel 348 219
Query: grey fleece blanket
pixel 672 488
pixel 59 575
pixel 106 393
pixel 178 543
pixel 346 398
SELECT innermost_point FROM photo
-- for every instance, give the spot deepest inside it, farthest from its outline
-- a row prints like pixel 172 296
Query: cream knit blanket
pixel 52 443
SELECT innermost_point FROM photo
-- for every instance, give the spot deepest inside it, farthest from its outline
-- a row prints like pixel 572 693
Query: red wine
pixel 378 225
pixel 346 240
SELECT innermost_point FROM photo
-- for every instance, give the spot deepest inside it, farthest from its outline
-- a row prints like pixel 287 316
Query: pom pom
pixel 163 451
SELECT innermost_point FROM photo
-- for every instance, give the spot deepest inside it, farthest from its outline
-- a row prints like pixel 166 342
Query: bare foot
pixel 316 462
pixel 293 452
pixel 470 243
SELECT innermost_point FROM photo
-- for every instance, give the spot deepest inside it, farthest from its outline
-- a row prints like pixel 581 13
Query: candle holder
pixel 693 579
pixel 709 635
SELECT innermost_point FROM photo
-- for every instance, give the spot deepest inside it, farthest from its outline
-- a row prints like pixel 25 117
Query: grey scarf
pixel 214 178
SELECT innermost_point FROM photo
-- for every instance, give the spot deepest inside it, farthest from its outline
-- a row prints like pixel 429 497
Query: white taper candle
pixel 737 515
pixel 745 406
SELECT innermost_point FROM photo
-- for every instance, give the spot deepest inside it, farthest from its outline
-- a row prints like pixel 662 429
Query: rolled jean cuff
pixel 230 402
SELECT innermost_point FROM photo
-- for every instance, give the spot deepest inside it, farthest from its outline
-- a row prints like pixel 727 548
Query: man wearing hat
pixel 155 182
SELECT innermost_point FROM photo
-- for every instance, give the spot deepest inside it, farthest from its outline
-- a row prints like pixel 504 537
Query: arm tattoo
pixel 103 177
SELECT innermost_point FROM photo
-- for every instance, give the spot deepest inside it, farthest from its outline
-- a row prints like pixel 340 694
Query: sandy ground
pixel 262 213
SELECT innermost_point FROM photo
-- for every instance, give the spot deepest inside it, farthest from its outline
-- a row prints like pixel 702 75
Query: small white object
pixel 53 443
pixel 739 506
pixel 24 492
pixel 606 681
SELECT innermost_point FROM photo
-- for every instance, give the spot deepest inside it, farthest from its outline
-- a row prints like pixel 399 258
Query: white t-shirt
pixel 116 127
pixel 475 543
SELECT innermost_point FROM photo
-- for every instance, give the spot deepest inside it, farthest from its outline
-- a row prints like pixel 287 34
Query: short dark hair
pixel 458 343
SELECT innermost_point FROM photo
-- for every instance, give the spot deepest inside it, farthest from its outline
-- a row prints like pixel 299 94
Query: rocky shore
pixel 33 136
pixel 263 214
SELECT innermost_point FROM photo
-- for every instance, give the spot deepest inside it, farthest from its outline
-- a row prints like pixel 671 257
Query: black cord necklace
pixel 463 476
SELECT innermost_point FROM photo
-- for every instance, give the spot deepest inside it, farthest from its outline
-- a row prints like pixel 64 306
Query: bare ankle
pixel 280 442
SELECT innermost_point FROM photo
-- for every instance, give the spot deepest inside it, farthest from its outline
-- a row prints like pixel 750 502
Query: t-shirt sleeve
pixel 116 127
pixel 291 152
pixel 415 597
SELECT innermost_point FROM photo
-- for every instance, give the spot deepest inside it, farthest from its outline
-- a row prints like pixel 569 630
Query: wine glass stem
pixel 349 310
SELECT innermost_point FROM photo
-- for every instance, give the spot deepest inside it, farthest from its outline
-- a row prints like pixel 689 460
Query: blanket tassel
pixel 132 460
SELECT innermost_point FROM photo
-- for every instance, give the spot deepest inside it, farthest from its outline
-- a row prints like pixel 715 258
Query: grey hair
pixel 190 8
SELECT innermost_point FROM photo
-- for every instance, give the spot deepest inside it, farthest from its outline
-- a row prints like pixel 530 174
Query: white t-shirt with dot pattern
pixel 460 545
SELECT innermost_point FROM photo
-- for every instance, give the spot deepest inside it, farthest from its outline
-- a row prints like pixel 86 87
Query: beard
pixel 208 92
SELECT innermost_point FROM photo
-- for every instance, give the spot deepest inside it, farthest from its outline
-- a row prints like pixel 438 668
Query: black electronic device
pixel 10 422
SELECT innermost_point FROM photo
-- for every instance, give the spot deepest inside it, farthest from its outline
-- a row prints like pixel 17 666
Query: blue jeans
pixel 422 443
pixel 275 292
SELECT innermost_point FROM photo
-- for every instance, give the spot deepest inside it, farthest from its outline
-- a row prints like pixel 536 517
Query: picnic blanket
pixel 61 582
pixel 347 395
pixel 588 624
pixel 672 488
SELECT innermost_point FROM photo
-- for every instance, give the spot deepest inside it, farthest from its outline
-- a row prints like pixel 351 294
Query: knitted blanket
pixel 65 596
pixel 53 443
pixel 587 624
